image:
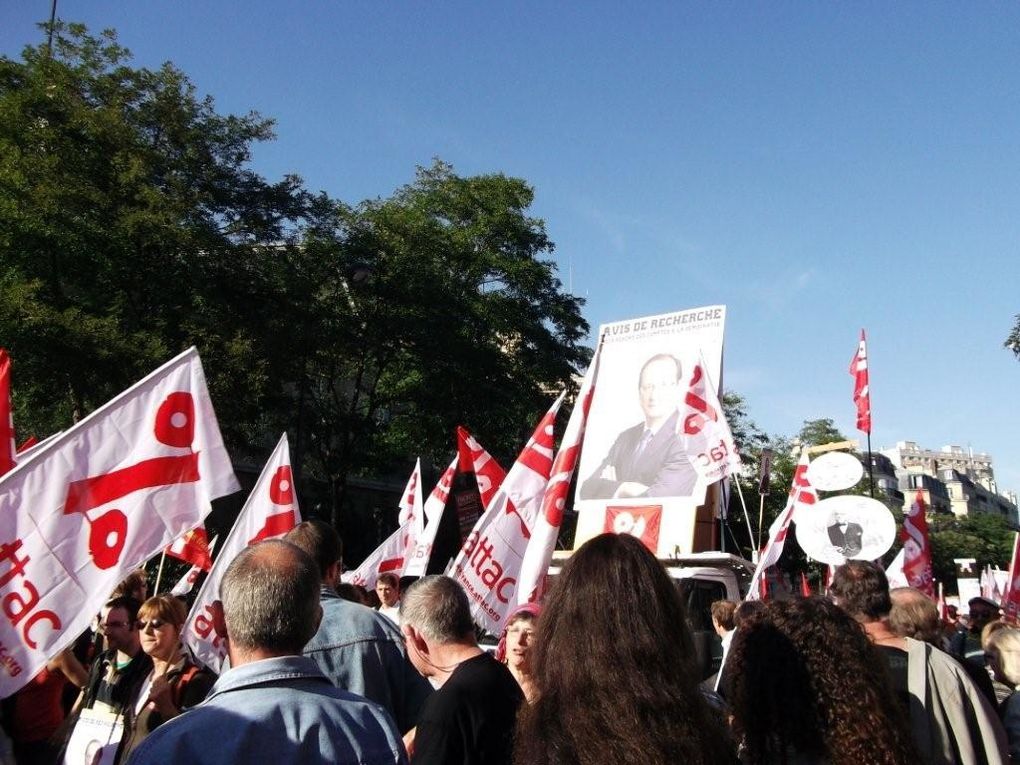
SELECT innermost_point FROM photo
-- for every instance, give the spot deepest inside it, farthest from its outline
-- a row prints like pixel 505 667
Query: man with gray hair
pixel 470 718
pixel 273 705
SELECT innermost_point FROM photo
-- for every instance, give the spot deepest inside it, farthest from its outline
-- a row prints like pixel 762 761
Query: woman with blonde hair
pixel 1003 655
pixel 614 668
pixel 175 682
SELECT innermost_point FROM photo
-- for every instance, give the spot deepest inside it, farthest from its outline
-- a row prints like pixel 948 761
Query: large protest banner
pixel 635 457
pixel 96 502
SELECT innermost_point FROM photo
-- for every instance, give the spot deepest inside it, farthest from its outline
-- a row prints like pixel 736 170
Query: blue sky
pixel 817 167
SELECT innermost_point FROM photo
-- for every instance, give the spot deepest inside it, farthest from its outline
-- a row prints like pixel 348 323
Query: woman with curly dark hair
pixel 613 664
pixel 808 687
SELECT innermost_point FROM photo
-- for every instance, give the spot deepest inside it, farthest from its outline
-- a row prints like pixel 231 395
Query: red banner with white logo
pixel 269 512
pixel 193 548
pixel 489 563
pixel 917 548
pixel 97 501
pixel 710 444
pixel 862 390
pixel 1011 601
pixel 641 522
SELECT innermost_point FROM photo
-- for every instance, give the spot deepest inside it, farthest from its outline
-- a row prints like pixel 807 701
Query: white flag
pixel 434 506
pixel 387 557
pixel 801 494
pixel 489 564
pixel 97 501
pixel 531 584
pixel 894 571
pixel 271 511
pixel 710 443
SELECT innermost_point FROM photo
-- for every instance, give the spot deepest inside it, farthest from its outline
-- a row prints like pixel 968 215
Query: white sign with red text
pixel 96 502
pixel 489 564
pixel 270 512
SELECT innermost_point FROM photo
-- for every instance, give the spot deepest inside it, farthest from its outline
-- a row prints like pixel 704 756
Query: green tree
pixel 819 432
pixel 1013 339
pixel 130 227
pixel 986 538
pixel 460 319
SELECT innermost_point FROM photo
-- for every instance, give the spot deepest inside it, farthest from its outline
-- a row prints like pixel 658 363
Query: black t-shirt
pixel 896 661
pixel 471 718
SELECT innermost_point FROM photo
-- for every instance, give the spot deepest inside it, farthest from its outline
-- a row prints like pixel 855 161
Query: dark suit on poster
pixel 662 465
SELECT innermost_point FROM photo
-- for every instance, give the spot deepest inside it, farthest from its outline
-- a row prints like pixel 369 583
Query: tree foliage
pixel 132 226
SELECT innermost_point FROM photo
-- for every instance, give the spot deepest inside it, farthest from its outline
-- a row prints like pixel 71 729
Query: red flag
pixel 862 392
pixel 192 547
pixel 1011 602
pixel 805 588
pixel 917 548
pixel 488 473
pixel 7 450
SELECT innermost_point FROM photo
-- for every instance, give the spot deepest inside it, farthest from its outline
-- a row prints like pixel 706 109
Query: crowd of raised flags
pixel 138 476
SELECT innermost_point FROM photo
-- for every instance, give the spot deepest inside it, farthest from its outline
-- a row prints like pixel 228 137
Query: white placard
pixel 847 527
pixel 835 471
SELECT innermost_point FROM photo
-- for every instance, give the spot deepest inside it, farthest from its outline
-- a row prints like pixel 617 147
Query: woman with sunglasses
pixel 175 682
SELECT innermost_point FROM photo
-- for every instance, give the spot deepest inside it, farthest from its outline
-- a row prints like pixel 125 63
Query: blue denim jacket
pixel 363 652
pixel 280 711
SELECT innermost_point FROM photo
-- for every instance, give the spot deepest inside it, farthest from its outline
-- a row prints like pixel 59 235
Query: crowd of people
pixel 603 672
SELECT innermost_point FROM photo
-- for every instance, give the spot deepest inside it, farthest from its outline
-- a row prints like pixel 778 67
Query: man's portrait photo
pixel 648 459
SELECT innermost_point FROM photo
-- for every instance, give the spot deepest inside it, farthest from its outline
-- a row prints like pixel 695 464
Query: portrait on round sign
pixel 845 527
pixel 649 458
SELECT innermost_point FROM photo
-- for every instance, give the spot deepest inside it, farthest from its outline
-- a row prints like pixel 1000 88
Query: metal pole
pixel 871 467
pixel 159 571
pixel 743 504
pixel 53 21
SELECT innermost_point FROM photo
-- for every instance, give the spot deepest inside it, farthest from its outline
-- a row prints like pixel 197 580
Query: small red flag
pixel 805 588
pixel 192 547
pixel 917 548
pixel 862 391
pixel 1011 602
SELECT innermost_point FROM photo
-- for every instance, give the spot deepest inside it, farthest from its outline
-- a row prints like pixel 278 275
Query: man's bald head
pixel 914 615
pixel 270 596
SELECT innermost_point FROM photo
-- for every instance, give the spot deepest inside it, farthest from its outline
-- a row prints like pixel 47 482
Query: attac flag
pixel 489 564
pixel 435 507
pixel 96 502
pixel 1011 601
pixel 386 558
pixel 192 547
pixel 488 473
pixel 802 494
pixel 862 391
pixel 269 512
pixel 393 554
pixel 917 549
pixel 710 443
pixel 187 582
pixel 532 582
pixel 7 447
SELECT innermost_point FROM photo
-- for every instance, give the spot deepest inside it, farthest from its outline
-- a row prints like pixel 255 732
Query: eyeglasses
pixel 154 623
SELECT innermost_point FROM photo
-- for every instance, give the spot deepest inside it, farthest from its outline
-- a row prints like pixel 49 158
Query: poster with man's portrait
pixel 633 451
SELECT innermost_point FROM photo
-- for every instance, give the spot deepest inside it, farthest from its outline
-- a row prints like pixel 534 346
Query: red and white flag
pixel 710 444
pixel 8 450
pixel 418 560
pixel 96 502
pixel 489 564
pixel 187 582
pixel 394 553
pixel 531 585
pixel 917 548
pixel 192 547
pixel 269 512
pixel 489 474
pixel 1011 600
pixel 862 392
pixel 802 495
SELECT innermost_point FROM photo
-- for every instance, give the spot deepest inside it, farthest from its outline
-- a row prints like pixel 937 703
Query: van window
pixel 698 596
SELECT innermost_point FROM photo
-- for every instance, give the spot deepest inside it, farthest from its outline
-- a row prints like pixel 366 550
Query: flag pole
pixel 743 504
pixel 761 517
pixel 871 467
pixel 159 571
